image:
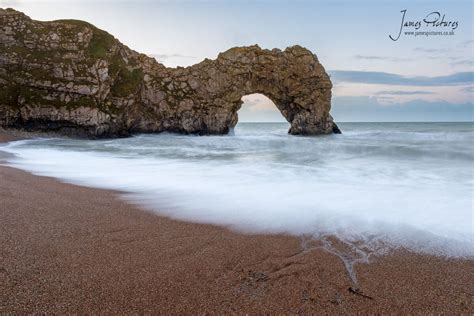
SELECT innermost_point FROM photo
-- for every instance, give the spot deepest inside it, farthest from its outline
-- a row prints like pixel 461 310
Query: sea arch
pixel 293 79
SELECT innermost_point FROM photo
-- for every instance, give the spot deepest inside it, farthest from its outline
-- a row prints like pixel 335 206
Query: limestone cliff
pixel 72 77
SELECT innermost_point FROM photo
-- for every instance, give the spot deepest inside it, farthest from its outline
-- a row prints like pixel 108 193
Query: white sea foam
pixel 402 185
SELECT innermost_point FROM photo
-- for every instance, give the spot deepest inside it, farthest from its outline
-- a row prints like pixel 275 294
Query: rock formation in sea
pixel 71 77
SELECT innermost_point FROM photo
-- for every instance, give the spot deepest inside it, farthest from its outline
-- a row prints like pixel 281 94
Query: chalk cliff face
pixel 71 77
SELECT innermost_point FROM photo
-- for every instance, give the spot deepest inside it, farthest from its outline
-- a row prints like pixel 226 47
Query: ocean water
pixel 377 186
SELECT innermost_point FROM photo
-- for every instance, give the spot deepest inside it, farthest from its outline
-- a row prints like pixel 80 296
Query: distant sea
pixel 392 184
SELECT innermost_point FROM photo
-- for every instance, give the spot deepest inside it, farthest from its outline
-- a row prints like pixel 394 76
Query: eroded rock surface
pixel 72 77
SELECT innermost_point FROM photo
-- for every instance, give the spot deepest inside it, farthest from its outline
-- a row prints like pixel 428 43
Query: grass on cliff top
pixel 100 44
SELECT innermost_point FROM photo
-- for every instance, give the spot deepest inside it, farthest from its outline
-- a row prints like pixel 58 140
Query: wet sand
pixel 72 249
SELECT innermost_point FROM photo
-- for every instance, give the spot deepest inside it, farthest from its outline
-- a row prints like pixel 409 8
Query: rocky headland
pixel 70 77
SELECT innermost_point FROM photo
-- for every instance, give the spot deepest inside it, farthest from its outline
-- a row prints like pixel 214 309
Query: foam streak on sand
pixel 377 185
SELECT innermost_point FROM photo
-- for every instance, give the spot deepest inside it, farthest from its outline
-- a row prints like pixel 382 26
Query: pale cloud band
pixel 401 92
pixel 374 77
pixel 370 109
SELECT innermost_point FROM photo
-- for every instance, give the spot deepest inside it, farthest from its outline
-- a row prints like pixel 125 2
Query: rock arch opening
pixel 258 108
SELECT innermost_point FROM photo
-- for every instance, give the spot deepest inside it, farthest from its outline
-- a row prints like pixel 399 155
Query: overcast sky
pixel 375 78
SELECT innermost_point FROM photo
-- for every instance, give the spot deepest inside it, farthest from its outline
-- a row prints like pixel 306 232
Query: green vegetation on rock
pixel 100 44
pixel 9 95
pixel 127 82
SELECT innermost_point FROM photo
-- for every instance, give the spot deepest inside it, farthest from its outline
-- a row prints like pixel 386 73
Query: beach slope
pixel 72 249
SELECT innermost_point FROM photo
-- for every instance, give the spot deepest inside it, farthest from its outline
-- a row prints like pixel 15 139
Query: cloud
pixel 374 77
pixel 449 55
pixel 452 60
pixel 368 109
pixel 257 102
pixel 381 58
pixel 258 108
pixel 9 3
pixel 400 92
pixel 161 57
pixel 431 50
pixel 463 62
pixel 468 89
pixel 466 43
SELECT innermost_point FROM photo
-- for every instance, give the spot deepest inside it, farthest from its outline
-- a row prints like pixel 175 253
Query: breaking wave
pixel 398 185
